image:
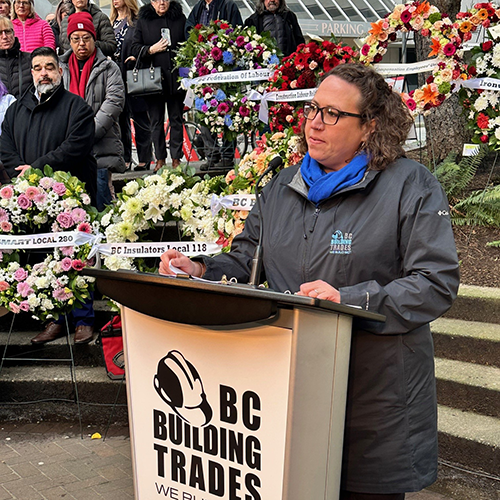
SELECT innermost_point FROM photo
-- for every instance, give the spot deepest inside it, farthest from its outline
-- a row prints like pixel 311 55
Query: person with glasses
pixel 158 33
pixel 15 65
pixel 105 36
pixel 30 29
pixel 358 223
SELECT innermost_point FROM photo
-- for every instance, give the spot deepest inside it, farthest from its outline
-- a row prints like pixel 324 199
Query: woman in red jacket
pixel 29 28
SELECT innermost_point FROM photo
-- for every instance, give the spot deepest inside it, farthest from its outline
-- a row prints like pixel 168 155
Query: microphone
pixel 274 164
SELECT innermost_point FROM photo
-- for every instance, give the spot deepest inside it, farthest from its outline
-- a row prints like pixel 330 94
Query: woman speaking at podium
pixel 358 223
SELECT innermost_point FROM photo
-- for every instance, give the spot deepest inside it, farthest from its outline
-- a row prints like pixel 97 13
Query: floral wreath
pixel 144 203
pixel 421 17
pixel 242 179
pixel 45 202
pixel 301 70
pixel 224 107
pixel 483 106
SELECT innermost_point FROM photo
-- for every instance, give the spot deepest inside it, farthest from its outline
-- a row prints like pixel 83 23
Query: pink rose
pixel 20 274
pixel 66 264
pixel 65 220
pixel 14 308
pixel 46 182
pixel 4 286
pixel 59 188
pixel 24 202
pixel 24 289
pixel 78 214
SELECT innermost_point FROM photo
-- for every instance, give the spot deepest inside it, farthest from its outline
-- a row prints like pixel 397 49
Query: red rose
pixel 472 71
pixel 484 138
pixel 224 26
pixel 429 80
pixel 486 46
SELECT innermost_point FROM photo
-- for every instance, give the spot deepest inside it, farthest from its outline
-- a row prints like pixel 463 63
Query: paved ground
pixel 50 461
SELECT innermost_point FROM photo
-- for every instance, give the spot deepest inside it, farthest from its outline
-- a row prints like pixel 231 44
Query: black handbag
pixel 144 81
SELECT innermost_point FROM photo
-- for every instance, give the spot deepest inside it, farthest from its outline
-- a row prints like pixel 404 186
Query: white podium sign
pixel 208 409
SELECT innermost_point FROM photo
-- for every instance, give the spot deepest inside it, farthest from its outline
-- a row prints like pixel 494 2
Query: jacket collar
pixel 148 12
pixel 298 184
pixel 13 51
pixel 30 101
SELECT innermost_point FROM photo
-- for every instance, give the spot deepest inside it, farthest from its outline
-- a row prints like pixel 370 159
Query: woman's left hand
pixel 319 289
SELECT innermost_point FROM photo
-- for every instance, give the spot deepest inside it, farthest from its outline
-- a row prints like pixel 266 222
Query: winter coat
pixel 15 69
pixel 293 36
pixel 105 36
pixel 5 102
pixel 223 10
pixel 33 33
pixel 148 32
pixel 387 245
pixel 59 131
pixel 105 94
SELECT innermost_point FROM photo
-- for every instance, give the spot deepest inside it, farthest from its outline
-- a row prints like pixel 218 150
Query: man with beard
pixel 49 126
pixel 274 16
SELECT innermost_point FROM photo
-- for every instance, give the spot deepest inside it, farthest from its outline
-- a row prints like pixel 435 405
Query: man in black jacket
pixel 204 12
pixel 274 16
pixel 49 126
pixel 15 65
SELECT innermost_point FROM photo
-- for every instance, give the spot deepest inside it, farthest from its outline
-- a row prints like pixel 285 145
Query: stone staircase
pixel 47 377
pixel 467 346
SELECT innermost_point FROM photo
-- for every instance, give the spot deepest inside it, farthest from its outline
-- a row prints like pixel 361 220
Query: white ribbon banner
pixel 46 240
pixel 248 75
pixel 232 202
pixel 480 83
pixel 282 96
pixel 406 68
pixel 147 249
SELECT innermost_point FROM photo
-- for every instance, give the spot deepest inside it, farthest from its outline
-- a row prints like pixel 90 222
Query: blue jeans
pixel 103 192
pixel 81 316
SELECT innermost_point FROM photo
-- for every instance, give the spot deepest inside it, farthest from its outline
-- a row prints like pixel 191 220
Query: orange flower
pixel 377 28
pixel 431 94
pixel 466 26
pixel 423 8
pixel 435 47
pixel 482 14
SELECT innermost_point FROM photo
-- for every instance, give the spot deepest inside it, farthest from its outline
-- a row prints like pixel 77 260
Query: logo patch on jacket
pixel 341 243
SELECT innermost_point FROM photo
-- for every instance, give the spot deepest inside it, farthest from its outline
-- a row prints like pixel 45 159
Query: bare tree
pixel 445 126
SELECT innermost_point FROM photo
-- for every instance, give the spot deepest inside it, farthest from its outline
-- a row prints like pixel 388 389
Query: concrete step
pixel 20 346
pixel 468 386
pixel 475 303
pixel 469 341
pixel 469 439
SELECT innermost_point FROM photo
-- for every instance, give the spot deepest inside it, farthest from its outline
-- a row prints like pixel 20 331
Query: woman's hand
pixel 160 46
pixel 180 261
pixel 319 289
pixel 22 169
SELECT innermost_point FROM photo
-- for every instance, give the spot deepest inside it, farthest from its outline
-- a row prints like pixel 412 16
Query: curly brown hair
pixel 378 102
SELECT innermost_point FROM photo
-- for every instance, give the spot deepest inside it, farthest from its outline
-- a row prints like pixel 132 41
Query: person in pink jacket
pixel 29 28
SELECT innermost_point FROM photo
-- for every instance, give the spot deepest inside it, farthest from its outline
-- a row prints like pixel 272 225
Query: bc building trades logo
pixel 341 243
pixel 200 456
pixel 178 383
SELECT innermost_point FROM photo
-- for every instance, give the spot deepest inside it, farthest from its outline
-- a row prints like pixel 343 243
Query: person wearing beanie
pixel 87 72
pixel 104 37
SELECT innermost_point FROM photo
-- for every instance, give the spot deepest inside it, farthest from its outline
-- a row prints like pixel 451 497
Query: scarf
pixel 322 185
pixel 78 82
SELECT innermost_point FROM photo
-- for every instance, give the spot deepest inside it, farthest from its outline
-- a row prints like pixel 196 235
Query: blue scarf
pixel 322 185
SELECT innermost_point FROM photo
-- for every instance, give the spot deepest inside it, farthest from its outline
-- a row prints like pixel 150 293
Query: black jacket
pixel 15 69
pixel 223 10
pixel 293 33
pixel 148 32
pixel 58 132
pixel 387 245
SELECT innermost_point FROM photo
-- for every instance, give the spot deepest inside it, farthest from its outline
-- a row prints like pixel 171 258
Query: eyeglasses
pixel 6 32
pixel 160 1
pixel 329 114
pixel 77 39
pixel 22 4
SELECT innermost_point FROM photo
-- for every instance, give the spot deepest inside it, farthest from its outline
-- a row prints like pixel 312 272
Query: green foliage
pixel 480 208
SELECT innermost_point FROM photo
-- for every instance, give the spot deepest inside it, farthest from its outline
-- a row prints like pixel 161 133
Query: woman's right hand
pixel 180 261
pixel 160 46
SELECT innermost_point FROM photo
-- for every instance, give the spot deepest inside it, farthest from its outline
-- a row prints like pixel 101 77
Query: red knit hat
pixel 81 21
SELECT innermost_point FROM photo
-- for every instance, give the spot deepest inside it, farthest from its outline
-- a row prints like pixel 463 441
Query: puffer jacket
pixel 148 32
pixel 387 245
pixel 15 69
pixel 105 94
pixel 33 33
pixel 105 36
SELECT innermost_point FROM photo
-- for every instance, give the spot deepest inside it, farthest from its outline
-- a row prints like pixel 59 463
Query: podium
pixel 234 393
